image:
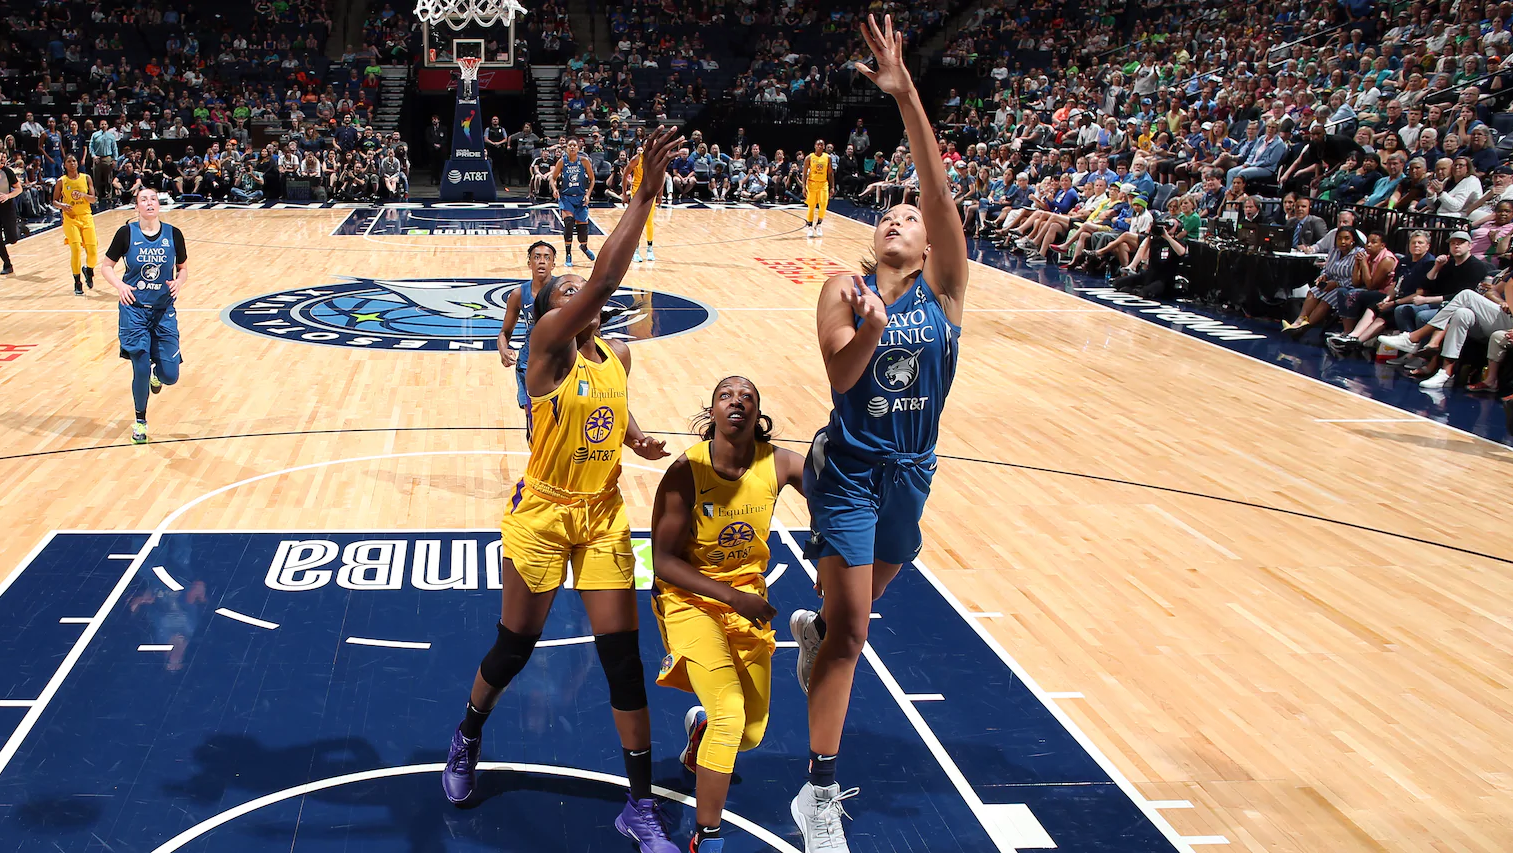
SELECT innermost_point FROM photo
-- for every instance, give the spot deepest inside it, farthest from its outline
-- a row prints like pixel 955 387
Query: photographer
pixel 1168 260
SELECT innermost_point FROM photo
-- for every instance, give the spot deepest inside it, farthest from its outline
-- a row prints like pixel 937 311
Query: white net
pixel 460 13
pixel 469 66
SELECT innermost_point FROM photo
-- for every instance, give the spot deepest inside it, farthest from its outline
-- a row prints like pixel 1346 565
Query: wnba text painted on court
pixel 302 565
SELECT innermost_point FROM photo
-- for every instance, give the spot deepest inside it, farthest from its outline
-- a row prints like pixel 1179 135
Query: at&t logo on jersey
pixel 437 314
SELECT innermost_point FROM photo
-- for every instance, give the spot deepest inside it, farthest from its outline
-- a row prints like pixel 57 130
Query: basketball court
pixel 1171 598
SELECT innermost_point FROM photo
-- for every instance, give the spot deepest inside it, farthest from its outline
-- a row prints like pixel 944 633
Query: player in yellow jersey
pixel 633 173
pixel 709 548
pixel 74 193
pixel 819 184
pixel 567 509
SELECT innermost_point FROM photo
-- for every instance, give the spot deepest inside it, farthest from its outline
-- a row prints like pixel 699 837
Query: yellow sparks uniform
pixel 79 222
pixel 817 188
pixel 567 507
pixel 712 651
pixel 636 170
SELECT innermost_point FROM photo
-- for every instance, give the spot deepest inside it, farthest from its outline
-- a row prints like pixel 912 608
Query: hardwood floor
pixel 1301 628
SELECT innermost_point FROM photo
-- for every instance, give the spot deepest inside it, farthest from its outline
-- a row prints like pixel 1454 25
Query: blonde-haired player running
pixel 74 193
pixel 819 184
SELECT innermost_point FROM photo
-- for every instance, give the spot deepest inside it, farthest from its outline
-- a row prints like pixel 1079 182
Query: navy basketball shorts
pixel 577 208
pixel 155 331
pixel 864 510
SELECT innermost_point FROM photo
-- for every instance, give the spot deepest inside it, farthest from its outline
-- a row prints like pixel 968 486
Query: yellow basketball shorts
pixel 79 230
pixel 726 661
pixel 542 537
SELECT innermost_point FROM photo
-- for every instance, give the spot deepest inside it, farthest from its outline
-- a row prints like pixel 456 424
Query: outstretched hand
pixel 658 152
pixel 887 48
pixel 865 304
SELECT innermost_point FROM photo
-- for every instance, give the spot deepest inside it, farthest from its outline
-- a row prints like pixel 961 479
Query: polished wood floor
pixel 1306 685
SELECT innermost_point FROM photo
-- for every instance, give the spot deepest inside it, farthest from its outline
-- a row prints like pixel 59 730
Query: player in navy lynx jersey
pixel 889 341
pixel 519 307
pixel 573 184
pixel 153 259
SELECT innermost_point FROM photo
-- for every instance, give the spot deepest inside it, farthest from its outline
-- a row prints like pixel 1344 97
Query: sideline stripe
pixel 75 620
pixel 242 617
pixel 17 703
pixel 155 647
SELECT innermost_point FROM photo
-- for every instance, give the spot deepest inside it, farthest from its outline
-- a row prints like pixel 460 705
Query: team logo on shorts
pixel 438 314
pixel 666 665
pixel 600 423
pixel 896 369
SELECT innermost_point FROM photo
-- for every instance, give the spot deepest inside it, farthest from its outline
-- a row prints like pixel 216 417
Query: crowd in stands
pixel 216 105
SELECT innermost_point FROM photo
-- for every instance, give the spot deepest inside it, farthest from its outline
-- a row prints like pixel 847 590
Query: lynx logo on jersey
pixel 438 315
pixel 896 369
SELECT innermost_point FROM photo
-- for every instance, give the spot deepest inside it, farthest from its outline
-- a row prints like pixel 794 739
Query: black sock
pixel 819 624
pixel 472 722
pixel 821 769
pixel 638 771
pixel 704 832
pixel 142 416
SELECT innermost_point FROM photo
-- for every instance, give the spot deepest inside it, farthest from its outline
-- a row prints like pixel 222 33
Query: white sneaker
pixel 809 231
pixel 638 256
pixel 819 230
pixel 807 635
pixel 818 812
pixel 1438 380
pixel 650 255
pixel 1399 342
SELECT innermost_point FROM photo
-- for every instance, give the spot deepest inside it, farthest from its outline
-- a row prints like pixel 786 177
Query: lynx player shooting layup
pixel 1103 603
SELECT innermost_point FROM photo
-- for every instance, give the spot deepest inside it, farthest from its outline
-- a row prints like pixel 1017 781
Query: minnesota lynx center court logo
pixel 438 314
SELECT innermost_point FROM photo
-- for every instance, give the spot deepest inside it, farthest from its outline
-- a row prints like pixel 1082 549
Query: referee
pixel 10 226
pixel 148 282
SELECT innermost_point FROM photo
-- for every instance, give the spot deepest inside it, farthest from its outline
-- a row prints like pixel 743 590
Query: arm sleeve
pixel 180 249
pixel 119 244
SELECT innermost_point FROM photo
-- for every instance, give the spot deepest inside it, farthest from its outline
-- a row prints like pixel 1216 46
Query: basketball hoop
pixel 469 66
pixel 459 13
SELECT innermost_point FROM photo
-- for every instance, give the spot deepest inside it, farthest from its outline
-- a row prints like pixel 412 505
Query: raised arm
pixel 560 327
pixel 946 266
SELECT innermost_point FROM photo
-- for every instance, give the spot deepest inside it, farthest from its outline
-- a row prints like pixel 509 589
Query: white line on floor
pixel 1367 420
pixel 388 644
pixel 787 644
pixel 569 641
pixel 875 616
pixel 926 734
pixel 167 579
pixel 17 703
pixel 242 617
pixel 155 647
pixel 13 743
pixel 924 697
pixel 76 620
pixel 121 557
pixel 1064 694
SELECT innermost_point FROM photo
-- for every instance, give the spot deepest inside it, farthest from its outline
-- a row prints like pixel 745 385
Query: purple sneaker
pixel 642 821
pixel 460 777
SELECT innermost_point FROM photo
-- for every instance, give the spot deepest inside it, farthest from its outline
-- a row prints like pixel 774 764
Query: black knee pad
pixel 569 225
pixel 620 656
pixel 583 232
pixel 508 656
